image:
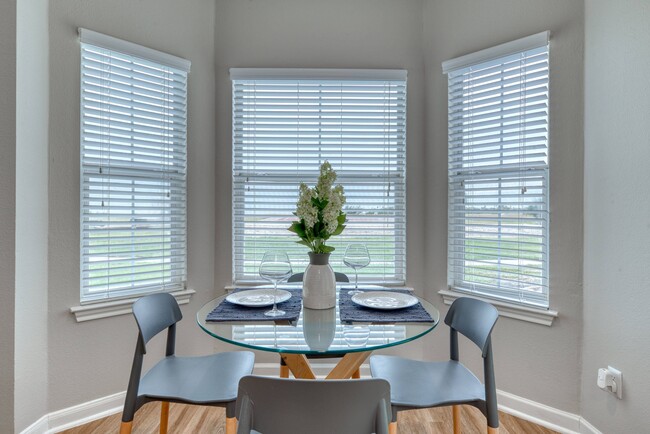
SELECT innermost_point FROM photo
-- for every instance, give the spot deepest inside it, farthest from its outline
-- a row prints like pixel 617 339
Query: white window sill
pixel 109 308
pixel 510 310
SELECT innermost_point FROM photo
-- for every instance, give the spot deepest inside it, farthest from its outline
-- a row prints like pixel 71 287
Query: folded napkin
pixel 227 311
pixel 352 312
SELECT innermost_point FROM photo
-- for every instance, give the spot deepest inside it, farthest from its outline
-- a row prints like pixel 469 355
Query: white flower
pixel 326 179
pixel 305 209
pixel 331 212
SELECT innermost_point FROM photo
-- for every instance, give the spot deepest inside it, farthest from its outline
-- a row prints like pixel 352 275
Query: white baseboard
pixel 549 417
pixel 77 415
pixel 541 414
pixel 587 428
pixel 38 427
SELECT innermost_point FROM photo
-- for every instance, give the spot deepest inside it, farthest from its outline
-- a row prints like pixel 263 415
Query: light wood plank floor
pixel 196 419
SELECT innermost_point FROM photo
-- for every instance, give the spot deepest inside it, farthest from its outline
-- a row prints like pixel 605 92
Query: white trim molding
pixel 110 43
pixel 77 415
pixel 316 74
pixel 587 428
pixel 510 310
pixel 105 309
pixel 527 43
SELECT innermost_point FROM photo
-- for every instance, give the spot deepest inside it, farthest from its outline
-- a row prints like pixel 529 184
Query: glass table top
pixel 317 332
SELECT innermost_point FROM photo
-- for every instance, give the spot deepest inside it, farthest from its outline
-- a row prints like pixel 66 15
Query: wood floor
pixel 195 419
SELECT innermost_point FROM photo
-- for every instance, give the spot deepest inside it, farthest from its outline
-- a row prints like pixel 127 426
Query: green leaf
pixel 304 243
pixel 327 249
pixel 341 218
pixel 298 228
pixel 339 229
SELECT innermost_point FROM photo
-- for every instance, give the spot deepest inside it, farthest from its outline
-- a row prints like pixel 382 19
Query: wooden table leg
pixel 347 366
pixel 299 366
pixel 284 369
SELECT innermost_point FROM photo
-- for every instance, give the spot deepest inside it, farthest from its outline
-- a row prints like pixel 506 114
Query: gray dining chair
pixel 416 384
pixel 282 406
pixel 339 277
pixel 205 380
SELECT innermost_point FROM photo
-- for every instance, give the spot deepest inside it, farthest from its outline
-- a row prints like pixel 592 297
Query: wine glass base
pixel 354 291
pixel 276 312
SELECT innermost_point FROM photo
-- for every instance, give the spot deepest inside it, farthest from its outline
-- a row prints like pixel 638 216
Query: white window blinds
pixel 133 168
pixel 498 171
pixel 285 124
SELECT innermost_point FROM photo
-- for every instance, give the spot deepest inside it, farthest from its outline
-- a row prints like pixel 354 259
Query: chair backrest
pixel 155 313
pixel 287 406
pixel 339 277
pixel 474 319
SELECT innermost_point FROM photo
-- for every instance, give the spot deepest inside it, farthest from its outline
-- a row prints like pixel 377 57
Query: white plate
pixel 258 297
pixel 384 300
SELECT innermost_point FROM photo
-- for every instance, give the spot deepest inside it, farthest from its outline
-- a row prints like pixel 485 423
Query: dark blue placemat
pixel 351 312
pixel 227 311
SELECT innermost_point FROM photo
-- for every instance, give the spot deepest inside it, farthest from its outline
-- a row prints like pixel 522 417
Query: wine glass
pixel 356 257
pixel 356 336
pixel 275 267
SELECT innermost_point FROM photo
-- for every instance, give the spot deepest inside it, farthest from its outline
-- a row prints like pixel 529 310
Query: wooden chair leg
pixel 231 425
pixel 356 374
pixel 164 417
pixel 392 428
pixel 456 415
pixel 284 371
pixel 125 427
pixel 493 430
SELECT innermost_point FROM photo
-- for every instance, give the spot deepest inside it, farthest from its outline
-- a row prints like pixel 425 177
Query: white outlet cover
pixel 618 378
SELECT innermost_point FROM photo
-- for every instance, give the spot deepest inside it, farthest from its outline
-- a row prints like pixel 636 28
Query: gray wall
pixel 617 212
pixel 7 209
pixel 381 34
pixel 93 359
pixel 32 89
pixel 537 362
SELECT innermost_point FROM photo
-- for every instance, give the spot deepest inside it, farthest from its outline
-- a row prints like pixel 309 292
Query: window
pixel 133 167
pixel 285 124
pixel 498 171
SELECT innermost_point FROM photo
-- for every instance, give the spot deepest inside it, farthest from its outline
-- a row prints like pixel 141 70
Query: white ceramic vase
pixel 319 283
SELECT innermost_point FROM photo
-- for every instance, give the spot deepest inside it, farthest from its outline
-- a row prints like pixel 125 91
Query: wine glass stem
pixel 356 279
pixel 275 293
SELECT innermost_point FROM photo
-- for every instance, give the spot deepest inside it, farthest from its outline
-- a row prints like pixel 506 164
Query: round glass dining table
pixel 316 334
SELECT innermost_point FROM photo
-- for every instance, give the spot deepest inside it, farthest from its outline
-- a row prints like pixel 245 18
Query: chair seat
pixel 198 380
pixel 419 384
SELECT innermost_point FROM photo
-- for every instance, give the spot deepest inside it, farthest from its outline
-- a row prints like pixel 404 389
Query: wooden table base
pixel 347 367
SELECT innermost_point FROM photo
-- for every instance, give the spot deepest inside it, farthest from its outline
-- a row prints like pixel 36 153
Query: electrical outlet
pixel 611 380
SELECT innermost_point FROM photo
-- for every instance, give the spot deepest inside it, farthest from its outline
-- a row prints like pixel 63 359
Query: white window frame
pixel 395 142
pixel 464 133
pixel 128 87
